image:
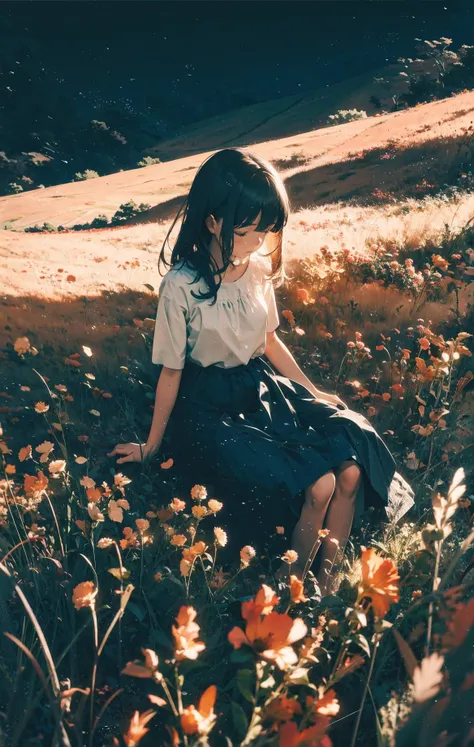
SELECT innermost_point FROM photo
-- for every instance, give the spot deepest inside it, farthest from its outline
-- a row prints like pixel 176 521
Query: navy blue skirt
pixel 259 439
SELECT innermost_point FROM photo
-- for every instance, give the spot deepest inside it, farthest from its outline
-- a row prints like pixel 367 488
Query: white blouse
pixel 226 334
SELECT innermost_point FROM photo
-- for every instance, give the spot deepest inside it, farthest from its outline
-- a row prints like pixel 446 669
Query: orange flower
pixel 200 720
pixel 185 635
pixel 177 505
pixel 136 730
pixel 379 581
pixel 302 295
pixel 269 635
pixel 142 525
pixel 459 625
pixel 199 512
pixel 221 536
pixel 439 261
pixel 24 453
pixel 34 485
pixel 198 493
pixel 289 316
pixel 214 505
pixel 297 590
pixel 178 540
pixel 281 709
pixel 41 407
pixel 326 705
pixel 168 464
pixel 312 737
pixel 84 595
pixel 147 670
pixel 264 602
pixel 424 343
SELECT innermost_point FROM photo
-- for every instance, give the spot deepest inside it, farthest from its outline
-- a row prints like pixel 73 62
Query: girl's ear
pixel 211 223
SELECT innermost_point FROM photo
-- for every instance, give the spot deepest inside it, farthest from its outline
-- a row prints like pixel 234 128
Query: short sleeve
pixel 169 341
pixel 273 320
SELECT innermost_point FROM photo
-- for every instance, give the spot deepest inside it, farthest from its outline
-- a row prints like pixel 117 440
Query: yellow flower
pixel 199 512
pixel 58 466
pixel 104 543
pixel 214 505
pixel 291 556
pixel 84 595
pixel 247 554
pixel 221 536
pixel 198 493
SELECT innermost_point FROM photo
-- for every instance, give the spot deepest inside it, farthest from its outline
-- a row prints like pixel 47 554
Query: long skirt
pixel 260 439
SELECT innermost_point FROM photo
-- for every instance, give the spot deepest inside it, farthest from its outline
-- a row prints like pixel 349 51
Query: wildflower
pixel 297 590
pixel 200 720
pixel 247 554
pixel 289 316
pixel 142 525
pixel 214 505
pixel 314 735
pixel 44 449
pixel 291 556
pixel 130 538
pixel 168 464
pixel 94 513
pixel 41 407
pixel 424 343
pixel 439 261
pixel 322 533
pixel 25 453
pixel 136 729
pixel 185 634
pixel 147 670
pixel 270 635
pixel 185 567
pixel 84 595
pixel 326 705
pixel 221 536
pixel 199 512
pixel 198 493
pixel 177 505
pixel 219 579
pixel 281 709
pixel 178 540
pixel 35 485
pixel 115 512
pixel 263 603
pixel 87 482
pixel 104 543
pixel 302 295
pixel 379 581
pixel 280 530
pixel 94 494
pixel 21 345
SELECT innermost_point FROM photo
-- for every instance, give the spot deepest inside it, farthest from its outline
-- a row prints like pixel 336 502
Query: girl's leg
pixel 317 499
pixel 339 518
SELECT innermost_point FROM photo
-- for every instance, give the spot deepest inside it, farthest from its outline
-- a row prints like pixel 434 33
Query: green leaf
pixel 408 656
pixel 299 676
pixel 240 655
pixel 139 612
pixel 245 683
pixel 240 720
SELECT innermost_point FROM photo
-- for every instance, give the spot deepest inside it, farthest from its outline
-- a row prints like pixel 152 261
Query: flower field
pixel 125 618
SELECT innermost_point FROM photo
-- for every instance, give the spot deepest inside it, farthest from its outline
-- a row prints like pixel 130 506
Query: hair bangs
pixel 261 197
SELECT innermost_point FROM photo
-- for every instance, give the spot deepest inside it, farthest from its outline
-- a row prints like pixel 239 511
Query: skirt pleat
pixel 261 438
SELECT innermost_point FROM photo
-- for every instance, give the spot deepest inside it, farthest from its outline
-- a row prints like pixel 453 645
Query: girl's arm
pixel 166 393
pixel 281 358
pixel 165 398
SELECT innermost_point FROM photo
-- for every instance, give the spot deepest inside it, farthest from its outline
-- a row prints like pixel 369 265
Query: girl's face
pixel 247 240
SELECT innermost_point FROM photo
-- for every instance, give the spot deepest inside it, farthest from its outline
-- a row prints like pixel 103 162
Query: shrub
pixel 347 115
pixel 87 174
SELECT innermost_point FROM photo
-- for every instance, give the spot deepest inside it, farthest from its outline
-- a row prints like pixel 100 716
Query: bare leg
pixel 339 517
pixel 317 498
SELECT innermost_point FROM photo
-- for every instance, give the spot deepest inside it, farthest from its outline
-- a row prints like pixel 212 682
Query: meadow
pixel 128 616
pixel 124 620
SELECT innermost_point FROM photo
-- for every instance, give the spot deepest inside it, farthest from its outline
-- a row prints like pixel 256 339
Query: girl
pixel 277 450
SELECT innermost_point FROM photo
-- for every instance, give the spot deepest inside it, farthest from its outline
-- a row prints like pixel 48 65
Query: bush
pixel 347 115
pixel 87 174
pixel 148 161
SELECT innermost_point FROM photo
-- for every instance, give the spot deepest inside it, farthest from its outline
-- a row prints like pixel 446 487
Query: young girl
pixel 277 450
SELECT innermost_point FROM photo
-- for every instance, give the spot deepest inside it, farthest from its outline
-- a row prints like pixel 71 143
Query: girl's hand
pixel 132 452
pixel 332 399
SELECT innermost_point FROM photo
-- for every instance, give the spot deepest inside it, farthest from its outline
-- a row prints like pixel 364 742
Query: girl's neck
pixel 231 273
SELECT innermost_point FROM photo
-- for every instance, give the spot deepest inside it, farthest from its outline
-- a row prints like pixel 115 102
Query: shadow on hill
pixel 103 322
pixel 162 212
pixel 379 175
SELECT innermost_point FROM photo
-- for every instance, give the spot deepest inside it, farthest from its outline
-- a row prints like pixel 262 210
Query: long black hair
pixel 235 185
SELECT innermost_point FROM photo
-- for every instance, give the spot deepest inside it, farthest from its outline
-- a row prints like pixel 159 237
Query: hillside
pixel 390 156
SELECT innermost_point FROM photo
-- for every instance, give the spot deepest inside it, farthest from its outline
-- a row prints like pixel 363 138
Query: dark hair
pixel 235 185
